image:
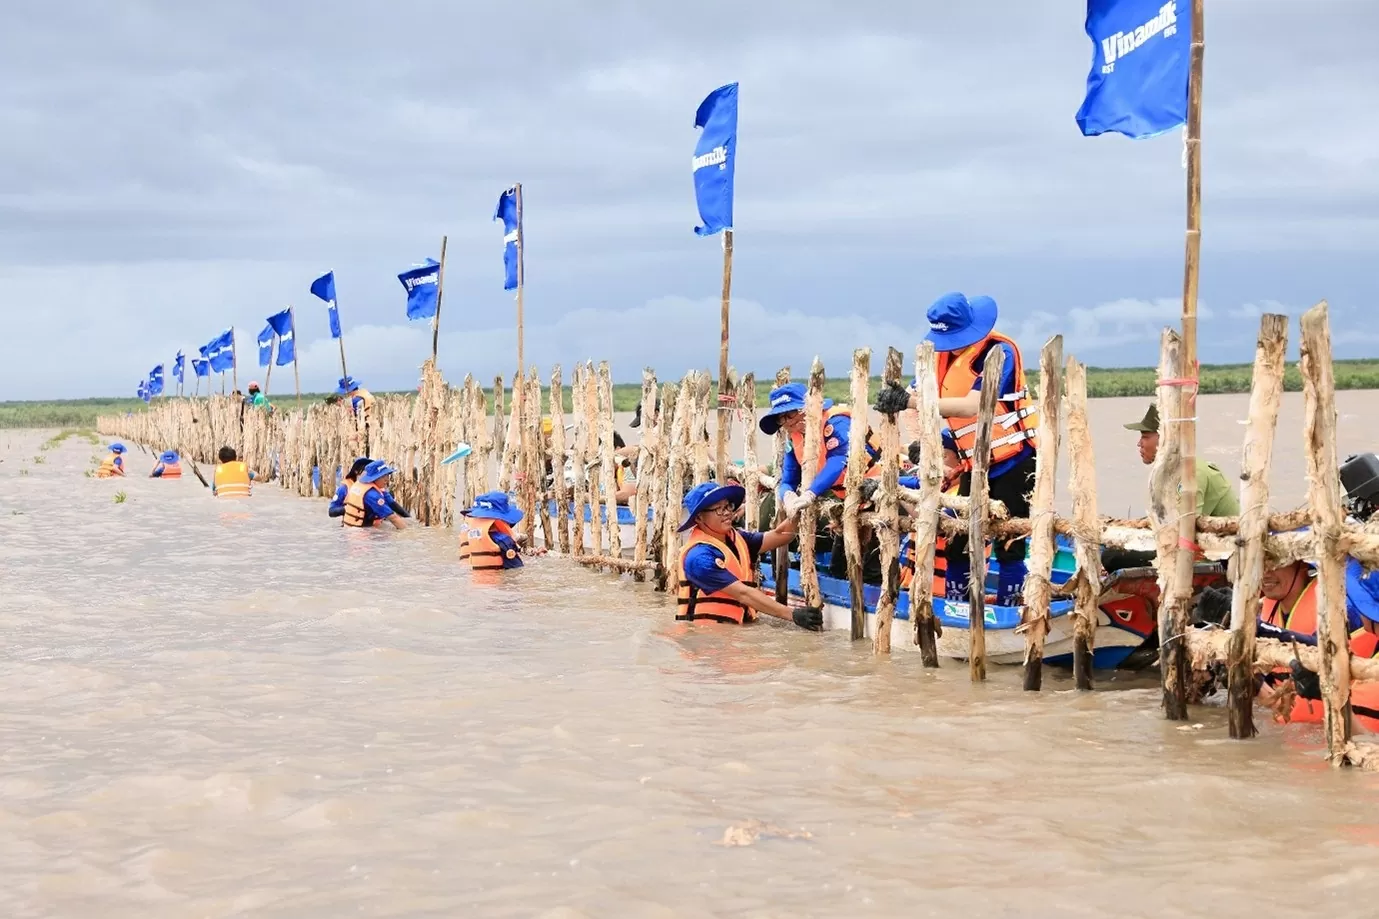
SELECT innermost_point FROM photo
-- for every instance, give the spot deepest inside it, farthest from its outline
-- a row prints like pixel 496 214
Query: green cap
pixel 1149 424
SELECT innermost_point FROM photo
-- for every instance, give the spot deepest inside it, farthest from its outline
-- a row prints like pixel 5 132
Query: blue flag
pixel 201 368
pixel 155 381
pixel 324 287
pixel 1138 82
pixel 266 346
pixel 421 284
pixel 178 366
pixel 282 324
pixel 715 156
pixel 506 211
pixel 142 391
pixel 220 351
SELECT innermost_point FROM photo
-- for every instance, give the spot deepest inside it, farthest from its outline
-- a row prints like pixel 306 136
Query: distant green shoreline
pixel 1102 382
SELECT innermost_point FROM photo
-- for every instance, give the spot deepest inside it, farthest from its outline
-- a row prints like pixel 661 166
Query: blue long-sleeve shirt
pixel 1007 386
pixel 834 465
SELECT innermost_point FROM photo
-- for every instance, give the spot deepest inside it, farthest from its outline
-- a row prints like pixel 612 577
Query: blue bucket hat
pixel 346 386
pixel 169 456
pixel 955 322
pixel 494 505
pixel 117 447
pixel 706 495
pixel 375 471
pixel 784 399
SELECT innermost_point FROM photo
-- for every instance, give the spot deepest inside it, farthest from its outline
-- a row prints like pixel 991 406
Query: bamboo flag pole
pixel 234 362
pixel 341 340
pixel 725 395
pixel 435 322
pixel 296 374
pixel 1187 496
pixel 268 380
pixel 519 392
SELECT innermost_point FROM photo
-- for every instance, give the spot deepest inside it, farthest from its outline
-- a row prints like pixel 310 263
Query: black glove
pixel 809 617
pixel 869 487
pixel 893 399
pixel 913 453
pixel 1213 607
pixel 397 508
pixel 337 511
pixel 1307 683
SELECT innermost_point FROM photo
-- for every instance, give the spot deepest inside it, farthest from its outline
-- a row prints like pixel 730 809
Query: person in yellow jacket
pixel 716 580
pixel 964 333
pixel 232 478
pixel 113 464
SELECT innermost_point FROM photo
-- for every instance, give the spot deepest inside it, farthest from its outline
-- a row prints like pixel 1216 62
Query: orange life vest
pixel 354 505
pixel 1016 421
pixel 364 395
pixel 1302 618
pixel 797 448
pixel 171 471
pixel 693 604
pixel 108 468
pixel 907 567
pixel 478 547
pixel 232 480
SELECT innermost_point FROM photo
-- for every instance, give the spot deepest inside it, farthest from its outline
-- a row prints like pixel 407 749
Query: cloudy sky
pixel 168 169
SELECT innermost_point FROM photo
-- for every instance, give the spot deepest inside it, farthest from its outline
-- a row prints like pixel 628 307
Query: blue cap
pixel 494 505
pixel 169 456
pixel 785 399
pixel 347 385
pixel 949 443
pixel 707 494
pixel 955 323
pixel 375 471
pixel 117 447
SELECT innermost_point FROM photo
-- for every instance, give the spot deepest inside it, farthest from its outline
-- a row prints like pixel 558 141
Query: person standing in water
pixel 169 466
pixel 487 541
pixel 716 581
pixel 366 503
pixel 963 332
pixel 113 464
pixel 232 478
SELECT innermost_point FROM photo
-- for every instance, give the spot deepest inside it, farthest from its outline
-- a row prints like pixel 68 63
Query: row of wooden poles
pixel 511 453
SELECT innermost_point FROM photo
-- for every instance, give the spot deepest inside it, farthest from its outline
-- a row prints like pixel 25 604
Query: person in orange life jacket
pixel 486 537
pixel 963 332
pixel 715 581
pixel 337 504
pixel 113 464
pixel 232 478
pixel 168 467
pixel 361 400
pixel 366 502
pixel 786 411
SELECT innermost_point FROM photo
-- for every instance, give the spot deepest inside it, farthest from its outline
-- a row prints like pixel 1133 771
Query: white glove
pixel 794 503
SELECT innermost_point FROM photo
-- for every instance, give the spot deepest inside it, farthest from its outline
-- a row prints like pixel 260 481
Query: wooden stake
pixel 664 509
pixel 537 473
pixel 751 474
pixel 1087 549
pixel 610 467
pixel 595 467
pixel 852 502
pixel 562 491
pixel 1324 495
pixel 888 509
pixel 1038 583
pixel 675 475
pixel 780 564
pixel 976 536
pixel 641 502
pixel 1186 419
pixel 699 427
pixel 809 517
pixel 580 459
pixel 1266 390
pixel 1164 508
pixel 440 288
pixel 926 515
pixel 725 391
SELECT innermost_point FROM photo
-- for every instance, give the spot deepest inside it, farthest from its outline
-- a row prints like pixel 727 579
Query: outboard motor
pixel 1360 479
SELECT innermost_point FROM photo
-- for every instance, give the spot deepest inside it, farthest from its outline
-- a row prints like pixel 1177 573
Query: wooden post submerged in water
pixel 809 468
pixel 977 512
pixel 888 509
pixel 780 563
pixel 646 462
pixel 751 473
pixel 1266 391
pixel 1038 592
pixel 1328 520
pixel 677 438
pixel 852 503
pixel 557 456
pixel 926 520
pixel 1086 526
pixel 660 487
pixel 610 460
pixel 1163 509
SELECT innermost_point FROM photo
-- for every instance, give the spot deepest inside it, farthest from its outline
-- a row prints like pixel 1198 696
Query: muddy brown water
pixel 216 711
